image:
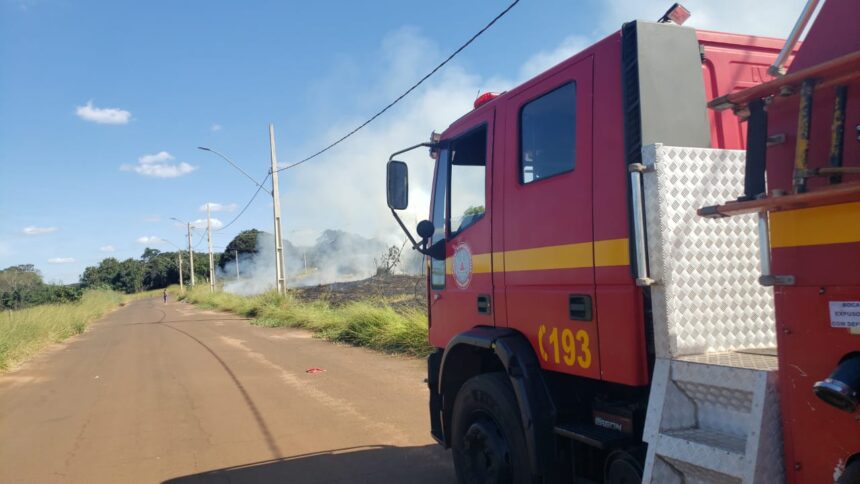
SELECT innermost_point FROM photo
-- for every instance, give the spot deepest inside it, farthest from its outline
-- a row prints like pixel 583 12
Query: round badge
pixel 462 266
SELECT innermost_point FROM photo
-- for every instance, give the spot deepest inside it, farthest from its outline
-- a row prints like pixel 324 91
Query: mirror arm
pixel 408 234
pixel 419 145
pixel 423 247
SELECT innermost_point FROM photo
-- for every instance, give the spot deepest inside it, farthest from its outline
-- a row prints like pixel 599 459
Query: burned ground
pixel 399 291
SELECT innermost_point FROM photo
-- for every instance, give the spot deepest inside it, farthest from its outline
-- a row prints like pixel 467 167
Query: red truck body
pixel 536 298
pixel 537 243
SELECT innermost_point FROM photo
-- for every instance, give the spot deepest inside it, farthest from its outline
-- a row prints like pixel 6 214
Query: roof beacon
pixel 485 98
pixel 677 13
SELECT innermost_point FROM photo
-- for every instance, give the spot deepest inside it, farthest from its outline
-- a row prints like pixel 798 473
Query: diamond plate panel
pixel 713 423
pixel 694 474
pixel 735 359
pixel 707 297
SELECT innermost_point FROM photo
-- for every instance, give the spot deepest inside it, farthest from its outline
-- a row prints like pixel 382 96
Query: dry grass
pixel 25 332
pixel 373 323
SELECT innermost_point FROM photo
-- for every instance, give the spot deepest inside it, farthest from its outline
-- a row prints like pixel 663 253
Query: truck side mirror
pixel 397 183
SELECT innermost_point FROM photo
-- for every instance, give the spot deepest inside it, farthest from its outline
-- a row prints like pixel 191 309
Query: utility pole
pixel 211 257
pixel 190 254
pixel 181 285
pixel 280 280
pixel 236 252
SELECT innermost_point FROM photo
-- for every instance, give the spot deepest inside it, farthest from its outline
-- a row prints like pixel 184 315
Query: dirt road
pixel 167 392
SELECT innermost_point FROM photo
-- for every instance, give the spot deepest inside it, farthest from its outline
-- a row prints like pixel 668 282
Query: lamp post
pixel 179 257
pixel 190 250
pixel 280 279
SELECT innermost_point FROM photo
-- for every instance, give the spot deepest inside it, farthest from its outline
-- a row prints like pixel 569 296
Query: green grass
pixel 25 332
pixel 371 323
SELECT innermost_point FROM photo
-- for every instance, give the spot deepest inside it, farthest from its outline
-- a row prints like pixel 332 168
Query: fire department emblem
pixel 462 266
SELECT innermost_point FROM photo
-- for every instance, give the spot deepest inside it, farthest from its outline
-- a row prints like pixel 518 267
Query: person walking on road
pixel 165 296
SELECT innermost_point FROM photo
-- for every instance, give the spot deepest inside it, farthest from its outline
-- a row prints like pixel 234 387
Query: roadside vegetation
pixel 379 322
pixel 26 331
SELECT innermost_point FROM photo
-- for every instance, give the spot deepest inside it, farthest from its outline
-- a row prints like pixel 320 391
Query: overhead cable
pixel 414 86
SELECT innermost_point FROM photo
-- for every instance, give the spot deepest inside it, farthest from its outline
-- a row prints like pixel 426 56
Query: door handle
pixel 483 304
pixel 579 306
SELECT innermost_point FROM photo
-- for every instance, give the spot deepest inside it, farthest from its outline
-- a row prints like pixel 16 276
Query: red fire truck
pixel 597 317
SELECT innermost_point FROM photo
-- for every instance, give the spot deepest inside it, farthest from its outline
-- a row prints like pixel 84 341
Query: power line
pixel 414 86
pixel 202 236
pixel 259 187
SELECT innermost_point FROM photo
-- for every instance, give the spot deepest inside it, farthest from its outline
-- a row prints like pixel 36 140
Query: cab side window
pixel 548 134
pixel 468 180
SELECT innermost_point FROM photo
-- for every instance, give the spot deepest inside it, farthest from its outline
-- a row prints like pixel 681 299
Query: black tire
pixel 622 468
pixel 851 474
pixel 488 443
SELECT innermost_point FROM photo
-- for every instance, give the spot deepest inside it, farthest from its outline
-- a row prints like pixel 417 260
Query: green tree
pixel 148 254
pixel 243 243
pixel 161 270
pixel 129 277
pixel 18 285
pixel 102 275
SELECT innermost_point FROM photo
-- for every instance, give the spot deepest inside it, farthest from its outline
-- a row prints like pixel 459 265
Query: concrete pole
pixel 190 255
pixel 211 257
pixel 236 252
pixel 280 279
pixel 179 256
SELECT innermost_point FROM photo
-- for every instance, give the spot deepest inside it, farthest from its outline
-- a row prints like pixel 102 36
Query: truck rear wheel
pixel 488 443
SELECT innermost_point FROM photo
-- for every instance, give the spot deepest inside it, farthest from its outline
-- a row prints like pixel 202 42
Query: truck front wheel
pixel 487 442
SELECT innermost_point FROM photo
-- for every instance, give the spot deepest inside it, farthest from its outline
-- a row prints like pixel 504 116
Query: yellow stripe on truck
pixel 832 224
pixel 602 253
pixel 568 256
pixel 614 252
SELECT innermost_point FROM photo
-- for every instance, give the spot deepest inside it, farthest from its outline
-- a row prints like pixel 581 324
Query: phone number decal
pixel 570 347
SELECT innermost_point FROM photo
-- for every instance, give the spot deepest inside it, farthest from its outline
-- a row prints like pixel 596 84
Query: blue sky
pixel 102 106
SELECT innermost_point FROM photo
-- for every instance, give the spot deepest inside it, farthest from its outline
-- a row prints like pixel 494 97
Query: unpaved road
pixel 167 392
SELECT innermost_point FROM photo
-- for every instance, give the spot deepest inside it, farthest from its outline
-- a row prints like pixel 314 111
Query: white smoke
pixel 335 256
pixel 256 270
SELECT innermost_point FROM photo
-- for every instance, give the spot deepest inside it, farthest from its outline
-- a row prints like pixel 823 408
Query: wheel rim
pixel 486 452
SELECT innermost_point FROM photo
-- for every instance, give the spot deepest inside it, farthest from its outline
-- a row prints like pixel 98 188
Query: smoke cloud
pixel 335 256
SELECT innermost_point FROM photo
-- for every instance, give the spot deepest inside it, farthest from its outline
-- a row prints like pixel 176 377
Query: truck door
pixel 547 226
pixel 461 286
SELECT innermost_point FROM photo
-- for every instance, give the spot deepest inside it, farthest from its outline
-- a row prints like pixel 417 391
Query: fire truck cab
pixel 588 324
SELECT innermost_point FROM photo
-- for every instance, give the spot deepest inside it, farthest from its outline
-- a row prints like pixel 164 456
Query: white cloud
pixel 33 230
pixel 545 59
pixel 89 112
pixel 219 207
pixel 159 157
pixel 357 167
pixel 151 240
pixel 200 223
pixel 61 260
pixel 107 248
pixel 158 165
pixel 215 127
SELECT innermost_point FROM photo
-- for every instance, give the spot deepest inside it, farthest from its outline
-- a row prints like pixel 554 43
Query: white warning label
pixel 845 314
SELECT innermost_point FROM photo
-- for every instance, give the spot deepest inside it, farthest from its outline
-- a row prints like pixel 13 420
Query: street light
pixel 280 278
pixel 178 256
pixel 190 250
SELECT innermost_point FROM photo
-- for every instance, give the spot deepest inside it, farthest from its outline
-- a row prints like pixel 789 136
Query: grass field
pixel 379 322
pixel 24 332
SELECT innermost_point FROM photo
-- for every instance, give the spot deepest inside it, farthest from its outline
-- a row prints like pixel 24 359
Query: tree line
pixel 153 270
pixel 22 286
